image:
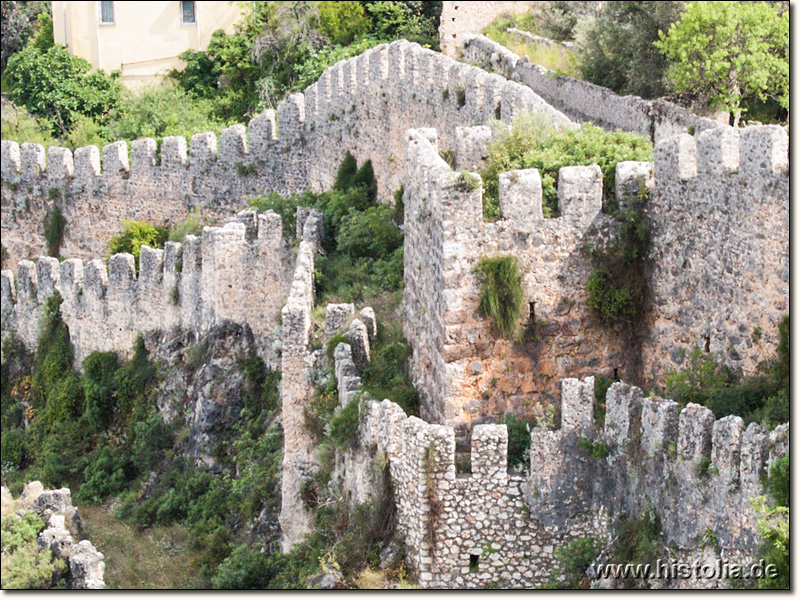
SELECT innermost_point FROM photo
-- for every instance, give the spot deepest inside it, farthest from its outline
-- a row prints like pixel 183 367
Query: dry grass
pixel 156 558
pixel 554 57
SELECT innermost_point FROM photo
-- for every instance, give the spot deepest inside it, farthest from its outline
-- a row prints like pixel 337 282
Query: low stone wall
pixel 492 527
pixel 584 101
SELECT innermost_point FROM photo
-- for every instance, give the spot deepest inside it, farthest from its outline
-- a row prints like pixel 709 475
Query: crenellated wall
pixel 97 192
pixel 241 272
pixel 462 368
pixel 581 100
pixel 492 526
pixel 363 104
pixel 719 248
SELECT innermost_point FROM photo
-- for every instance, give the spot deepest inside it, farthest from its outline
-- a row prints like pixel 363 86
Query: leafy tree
pixel 59 86
pixel 730 51
pixel 18 21
pixel 136 234
pixel 616 49
pixel 342 22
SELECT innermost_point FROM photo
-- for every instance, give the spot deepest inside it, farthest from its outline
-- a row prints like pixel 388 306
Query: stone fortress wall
pixel 465 17
pixel 364 104
pixel 581 100
pixel 492 526
pixel 719 215
pixel 724 189
pixel 234 272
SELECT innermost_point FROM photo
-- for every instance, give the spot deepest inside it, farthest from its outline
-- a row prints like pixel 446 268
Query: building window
pixel 107 12
pixel 188 13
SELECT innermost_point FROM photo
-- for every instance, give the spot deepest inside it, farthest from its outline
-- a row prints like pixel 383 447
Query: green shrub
pixel 601 385
pixel 638 542
pixel 519 442
pixel 572 561
pixel 99 369
pixel 617 288
pixel 151 439
pixel 371 233
pixel 54 226
pixel 594 448
pixel 136 234
pixel 56 390
pixel 501 297
pixel 107 472
pixel 533 143
pixel 773 527
pixel 24 567
pixel 57 86
pixel 345 424
pixel 778 481
pixel 14 450
pixel 246 568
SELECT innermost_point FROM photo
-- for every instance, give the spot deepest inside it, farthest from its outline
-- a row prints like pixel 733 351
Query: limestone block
pixel 60 165
pixel 580 193
pixel 623 411
pixel 143 155
pixel 659 425
pixel 718 150
pixel 87 163
pixel 472 147
pixel 233 144
pixel 262 132
pixel 270 229
pixel 521 198
pixel 359 341
pixel 53 502
pixel 115 159
pixel 694 432
pixel 778 442
pixel 291 117
pixel 726 447
pixel 754 458
pixel 630 179
pixel 336 317
pixel 57 539
pixel 48 271
pixel 33 158
pixel 763 149
pixel 87 567
pixel 10 159
pixel 173 152
pixel 490 452
pixel 675 159
pixel 577 405
pixel 367 316
pixel 203 148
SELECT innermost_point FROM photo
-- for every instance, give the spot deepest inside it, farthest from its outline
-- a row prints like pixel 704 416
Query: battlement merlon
pixel 489 456
pixel 115 159
pixel 659 425
pixel 577 405
pixel 60 165
pixel 623 411
pixel 753 152
pixel 143 156
pixel 695 426
pixel 726 447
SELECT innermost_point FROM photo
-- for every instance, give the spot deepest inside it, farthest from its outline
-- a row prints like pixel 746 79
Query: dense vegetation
pixel 531 143
pixel 278 48
pixel 762 397
pixel 654 49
